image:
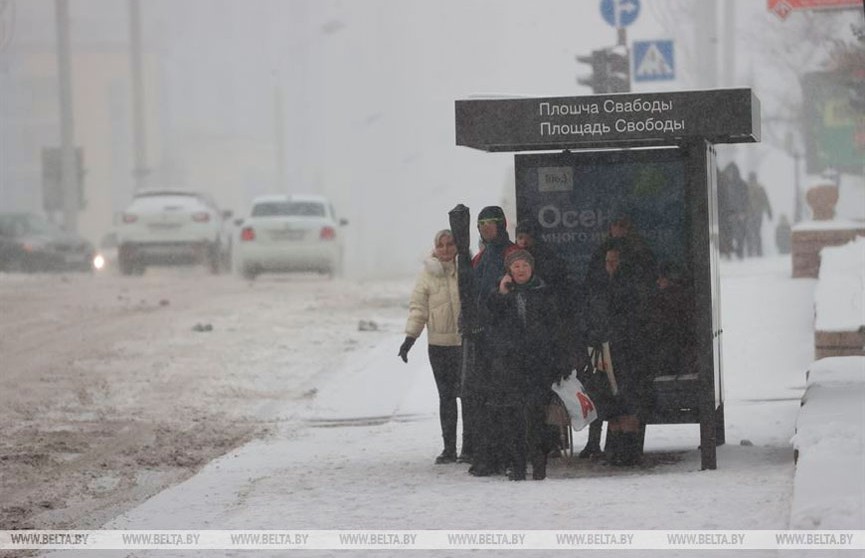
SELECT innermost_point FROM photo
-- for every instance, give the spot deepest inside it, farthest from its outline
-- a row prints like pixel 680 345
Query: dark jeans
pixel 446 362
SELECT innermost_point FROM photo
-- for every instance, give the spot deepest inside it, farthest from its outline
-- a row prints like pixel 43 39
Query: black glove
pixel 405 347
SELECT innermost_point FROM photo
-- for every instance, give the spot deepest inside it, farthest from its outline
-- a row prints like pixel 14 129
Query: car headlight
pixel 98 261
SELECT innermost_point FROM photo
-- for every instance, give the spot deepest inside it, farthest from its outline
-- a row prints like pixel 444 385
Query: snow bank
pixel 829 487
pixel 838 298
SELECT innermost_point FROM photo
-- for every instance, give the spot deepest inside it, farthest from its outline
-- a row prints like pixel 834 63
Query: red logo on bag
pixel 586 405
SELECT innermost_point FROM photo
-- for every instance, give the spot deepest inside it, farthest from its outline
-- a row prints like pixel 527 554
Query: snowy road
pixel 108 394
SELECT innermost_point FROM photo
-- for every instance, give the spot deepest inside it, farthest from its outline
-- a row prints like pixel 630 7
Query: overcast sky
pixel 365 95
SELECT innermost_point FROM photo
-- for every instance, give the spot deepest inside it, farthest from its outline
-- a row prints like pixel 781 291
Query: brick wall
pixel 839 343
pixel 808 243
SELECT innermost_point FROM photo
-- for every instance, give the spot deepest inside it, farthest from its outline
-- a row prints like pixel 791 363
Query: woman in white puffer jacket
pixel 435 304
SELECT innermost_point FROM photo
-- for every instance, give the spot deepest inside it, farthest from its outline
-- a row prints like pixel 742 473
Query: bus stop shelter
pixel 652 156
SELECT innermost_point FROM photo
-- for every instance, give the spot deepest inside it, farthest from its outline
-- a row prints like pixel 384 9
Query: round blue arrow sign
pixel 620 13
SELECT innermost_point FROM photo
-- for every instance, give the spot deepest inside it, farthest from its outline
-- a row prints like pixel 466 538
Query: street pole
pixel 68 166
pixel 279 136
pixel 139 135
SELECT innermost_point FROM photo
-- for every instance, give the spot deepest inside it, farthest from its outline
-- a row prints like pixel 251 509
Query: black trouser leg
pixel 469 407
pixel 539 442
pixel 484 455
pixel 593 444
pixel 514 423
pixel 445 362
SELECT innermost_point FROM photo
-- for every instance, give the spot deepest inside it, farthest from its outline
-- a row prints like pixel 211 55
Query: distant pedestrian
pixel 783 235
pixel 758 204
pixel 732 211
pixel 435 305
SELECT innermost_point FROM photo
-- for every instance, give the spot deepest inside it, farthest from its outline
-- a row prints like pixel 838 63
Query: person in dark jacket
pixel 672 324
pixel 569 304
pixel 487 266
pixel 732 211
pixel 637 267
pixel 758 203
pixel 525 363
pixel 617 315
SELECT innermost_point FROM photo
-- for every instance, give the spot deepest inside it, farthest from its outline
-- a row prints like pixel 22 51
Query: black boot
pixel 516 475
pixel 539 467
pixel 613 448
pixel 631 453
pixel 593 445
pixel 447 456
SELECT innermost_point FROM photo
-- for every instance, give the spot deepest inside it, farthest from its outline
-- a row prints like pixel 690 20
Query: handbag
pixel 578 403
pixel 599 381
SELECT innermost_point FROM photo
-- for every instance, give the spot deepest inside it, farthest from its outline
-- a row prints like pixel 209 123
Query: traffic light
pixel 618 70
pixel 611 70
pixel 597 80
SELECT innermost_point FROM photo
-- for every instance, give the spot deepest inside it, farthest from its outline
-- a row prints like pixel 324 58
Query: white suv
pixel 290 233
pixel 169 227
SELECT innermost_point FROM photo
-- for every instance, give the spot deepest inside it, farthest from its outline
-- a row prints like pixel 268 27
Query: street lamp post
pixel 69 173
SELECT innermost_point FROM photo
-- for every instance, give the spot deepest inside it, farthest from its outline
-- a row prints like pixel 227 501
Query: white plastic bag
pixel 580 406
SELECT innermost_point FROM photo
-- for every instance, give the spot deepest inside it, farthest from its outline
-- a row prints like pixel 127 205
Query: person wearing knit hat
pixel 526 360
pixel 519 254
pixel 554 270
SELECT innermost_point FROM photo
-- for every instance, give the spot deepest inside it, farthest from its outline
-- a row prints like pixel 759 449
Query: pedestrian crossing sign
pixel 653 61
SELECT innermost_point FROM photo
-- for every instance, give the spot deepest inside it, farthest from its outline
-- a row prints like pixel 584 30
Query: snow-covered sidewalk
pixel 360 455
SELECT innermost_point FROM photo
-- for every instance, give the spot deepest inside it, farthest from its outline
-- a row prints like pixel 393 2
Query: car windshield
pixel 292 209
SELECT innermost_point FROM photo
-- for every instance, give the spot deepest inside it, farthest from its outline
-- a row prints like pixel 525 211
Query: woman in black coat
pixel 617 315
pixel 526 361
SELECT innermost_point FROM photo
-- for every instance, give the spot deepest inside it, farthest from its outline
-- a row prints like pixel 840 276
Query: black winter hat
pixel 492 212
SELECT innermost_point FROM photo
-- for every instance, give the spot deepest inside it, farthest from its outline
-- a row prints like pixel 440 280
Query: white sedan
pixel 170 227
pixel 290 233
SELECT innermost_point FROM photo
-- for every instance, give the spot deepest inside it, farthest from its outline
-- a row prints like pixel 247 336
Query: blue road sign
pixel 654 61
pixel 620 13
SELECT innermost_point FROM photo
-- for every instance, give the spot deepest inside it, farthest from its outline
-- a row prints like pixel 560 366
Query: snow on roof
pixel 838 299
